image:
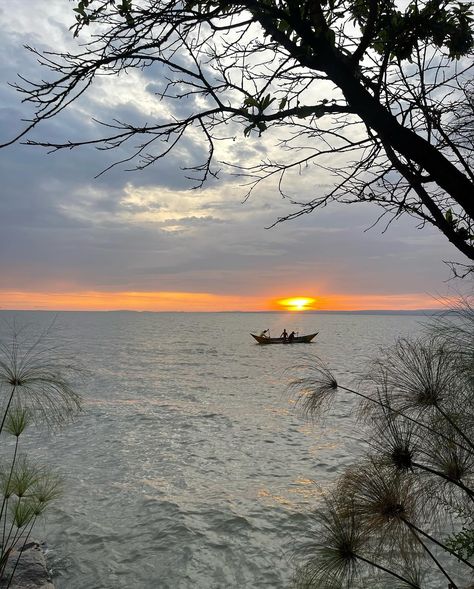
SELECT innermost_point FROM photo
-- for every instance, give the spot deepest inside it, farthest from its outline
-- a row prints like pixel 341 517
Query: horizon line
pixel 300 312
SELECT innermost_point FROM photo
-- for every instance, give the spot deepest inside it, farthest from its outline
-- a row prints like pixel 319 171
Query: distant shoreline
pixel 312 312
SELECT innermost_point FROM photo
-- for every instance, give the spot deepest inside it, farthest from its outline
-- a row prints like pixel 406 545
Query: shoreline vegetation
pixel 404 510
pixel 35 391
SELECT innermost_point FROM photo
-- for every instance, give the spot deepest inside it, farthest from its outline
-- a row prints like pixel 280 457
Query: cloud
pixel 60 228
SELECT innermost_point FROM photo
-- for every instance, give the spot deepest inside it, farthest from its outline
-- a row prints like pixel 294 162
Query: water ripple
pixel 190 467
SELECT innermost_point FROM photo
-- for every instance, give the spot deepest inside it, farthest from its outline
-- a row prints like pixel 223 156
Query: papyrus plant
pixel 403 514
pixel 35 389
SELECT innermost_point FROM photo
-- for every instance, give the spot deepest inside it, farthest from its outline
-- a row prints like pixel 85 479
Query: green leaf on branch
pixel 249 101
pixel 450 218
pixel 266 102
pixel 261 105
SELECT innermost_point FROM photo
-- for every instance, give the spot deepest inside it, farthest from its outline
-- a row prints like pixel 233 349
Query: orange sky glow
pixel 208 302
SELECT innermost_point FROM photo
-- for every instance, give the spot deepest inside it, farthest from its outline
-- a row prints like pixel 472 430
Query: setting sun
pixel 297 303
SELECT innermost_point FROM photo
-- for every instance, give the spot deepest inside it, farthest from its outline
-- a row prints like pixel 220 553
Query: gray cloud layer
pixel 61 228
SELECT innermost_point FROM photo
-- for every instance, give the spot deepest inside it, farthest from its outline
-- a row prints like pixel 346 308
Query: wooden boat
pixel 298 339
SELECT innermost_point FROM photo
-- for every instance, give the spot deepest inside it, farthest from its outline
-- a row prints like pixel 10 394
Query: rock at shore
pixel 31 572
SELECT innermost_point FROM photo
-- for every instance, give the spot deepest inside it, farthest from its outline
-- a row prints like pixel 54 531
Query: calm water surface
pixel 190 466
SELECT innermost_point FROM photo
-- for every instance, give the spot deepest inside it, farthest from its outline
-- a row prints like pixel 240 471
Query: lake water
pixel 190 466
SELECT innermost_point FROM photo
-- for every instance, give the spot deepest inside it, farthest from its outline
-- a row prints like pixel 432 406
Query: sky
pixel 145 241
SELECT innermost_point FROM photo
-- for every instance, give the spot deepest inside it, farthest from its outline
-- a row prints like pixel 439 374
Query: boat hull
pixel 300 339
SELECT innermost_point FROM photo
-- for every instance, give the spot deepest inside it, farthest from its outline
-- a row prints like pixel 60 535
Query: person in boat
pixel 265 333
pixel 284 335
pixel 291 337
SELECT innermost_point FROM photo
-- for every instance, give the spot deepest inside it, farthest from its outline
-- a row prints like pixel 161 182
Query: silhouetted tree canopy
pixel 377 93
